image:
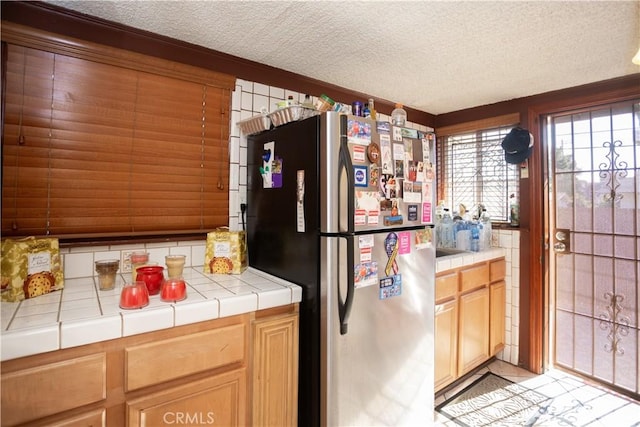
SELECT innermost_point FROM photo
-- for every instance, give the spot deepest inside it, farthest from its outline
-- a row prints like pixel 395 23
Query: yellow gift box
pixel 226 252
pixel 30 267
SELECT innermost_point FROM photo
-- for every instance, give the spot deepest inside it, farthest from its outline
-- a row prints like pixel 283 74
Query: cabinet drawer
pixel 95 418
pixel 34 393
pixel 446 286
pixel 168 359
pixel 474 277
pixel 217 400
pixel 498 270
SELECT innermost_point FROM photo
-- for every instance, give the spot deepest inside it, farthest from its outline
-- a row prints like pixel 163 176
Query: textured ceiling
pixel 435 56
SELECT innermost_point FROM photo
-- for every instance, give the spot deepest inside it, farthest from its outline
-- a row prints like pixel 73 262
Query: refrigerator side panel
pixel 282 201
pixel 282 234
pixel 381 371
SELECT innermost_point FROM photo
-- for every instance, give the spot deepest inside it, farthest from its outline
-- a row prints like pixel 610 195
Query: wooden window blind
pixel 96 149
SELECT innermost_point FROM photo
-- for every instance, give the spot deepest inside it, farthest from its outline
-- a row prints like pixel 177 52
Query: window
pixel 113 148
pixel 472 170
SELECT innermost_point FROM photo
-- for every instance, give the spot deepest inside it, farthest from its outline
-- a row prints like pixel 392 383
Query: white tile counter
pixel 467 258
pixel 81 314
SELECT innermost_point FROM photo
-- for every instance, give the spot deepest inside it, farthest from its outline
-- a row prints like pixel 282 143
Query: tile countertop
pixel 81 314
pixel 467 258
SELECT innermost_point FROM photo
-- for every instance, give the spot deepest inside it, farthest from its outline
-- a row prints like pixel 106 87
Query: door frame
pixel 534 292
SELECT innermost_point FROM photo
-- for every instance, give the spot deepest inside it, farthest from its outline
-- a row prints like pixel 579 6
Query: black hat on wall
pixel 517 145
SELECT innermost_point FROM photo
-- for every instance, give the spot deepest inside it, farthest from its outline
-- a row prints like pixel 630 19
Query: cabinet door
pixel 52 388
pixel 473 338
pixel 218 400
pixel 446 328
pixel 275 371
pixel 497 320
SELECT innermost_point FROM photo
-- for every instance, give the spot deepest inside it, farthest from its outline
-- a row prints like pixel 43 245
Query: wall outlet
pixel 125 262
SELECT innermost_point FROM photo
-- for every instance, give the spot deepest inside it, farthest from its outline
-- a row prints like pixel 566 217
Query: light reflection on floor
pixel 575 402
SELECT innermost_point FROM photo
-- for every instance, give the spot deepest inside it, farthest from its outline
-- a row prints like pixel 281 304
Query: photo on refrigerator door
pixel 424 238
pixel 358 132
pixel 366 274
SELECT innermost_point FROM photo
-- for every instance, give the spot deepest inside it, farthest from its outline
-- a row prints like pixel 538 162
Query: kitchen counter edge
pixel 67 333
pixel 467 258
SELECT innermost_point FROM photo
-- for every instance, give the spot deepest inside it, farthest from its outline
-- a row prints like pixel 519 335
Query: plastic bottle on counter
pixel 462 235
pixel 398 115
pixel 437 228
pixel 485 234
pixel 447 230
pixel 475 236
pixel 440 210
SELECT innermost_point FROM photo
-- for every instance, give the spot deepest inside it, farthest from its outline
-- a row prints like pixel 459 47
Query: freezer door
pixel 392 180
pixel 374 176
pixel 378 370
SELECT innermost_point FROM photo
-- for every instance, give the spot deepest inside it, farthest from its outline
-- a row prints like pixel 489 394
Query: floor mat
pixel 495 401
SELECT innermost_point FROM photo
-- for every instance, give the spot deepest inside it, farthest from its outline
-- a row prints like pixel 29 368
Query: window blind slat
pixel 110 149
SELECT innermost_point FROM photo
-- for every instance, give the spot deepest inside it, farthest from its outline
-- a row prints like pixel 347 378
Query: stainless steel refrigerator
pixel 343 206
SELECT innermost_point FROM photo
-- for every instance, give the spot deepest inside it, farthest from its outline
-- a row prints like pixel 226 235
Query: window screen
pixel 473 171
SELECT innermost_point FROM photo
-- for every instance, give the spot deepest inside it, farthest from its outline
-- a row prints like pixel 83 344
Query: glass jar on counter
pixel 107 270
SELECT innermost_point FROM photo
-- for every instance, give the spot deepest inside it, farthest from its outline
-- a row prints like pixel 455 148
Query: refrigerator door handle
pixel 344 306
pixel 345 163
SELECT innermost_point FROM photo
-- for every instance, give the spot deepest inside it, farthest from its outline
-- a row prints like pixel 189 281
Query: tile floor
pixel 576 402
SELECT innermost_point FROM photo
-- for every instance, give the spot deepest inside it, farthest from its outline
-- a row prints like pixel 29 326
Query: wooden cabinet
pixel 217 400
pixel 473 277
pixel 172 358
pixel 275 371
pixel 498 296
pixel 208 373
pixel 49 388
pixel 473 330
pixel 446 343
pixel 95 418
pixel 446 286
pixel 469 318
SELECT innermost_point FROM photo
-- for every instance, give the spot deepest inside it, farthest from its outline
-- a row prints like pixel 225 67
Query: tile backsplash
pixel 509 240
pixel 79 262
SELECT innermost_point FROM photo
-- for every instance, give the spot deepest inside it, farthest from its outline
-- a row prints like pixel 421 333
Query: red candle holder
pixel 152 276
pixel 134 295
pixel 173 290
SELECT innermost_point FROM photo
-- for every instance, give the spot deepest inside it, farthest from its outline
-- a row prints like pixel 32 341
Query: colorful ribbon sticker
pixel 391 247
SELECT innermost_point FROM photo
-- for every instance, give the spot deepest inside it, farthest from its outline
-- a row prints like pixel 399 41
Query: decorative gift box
pixel 226 252
pixel 30 267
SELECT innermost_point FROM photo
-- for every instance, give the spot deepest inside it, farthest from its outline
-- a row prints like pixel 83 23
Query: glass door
pixel 594 222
